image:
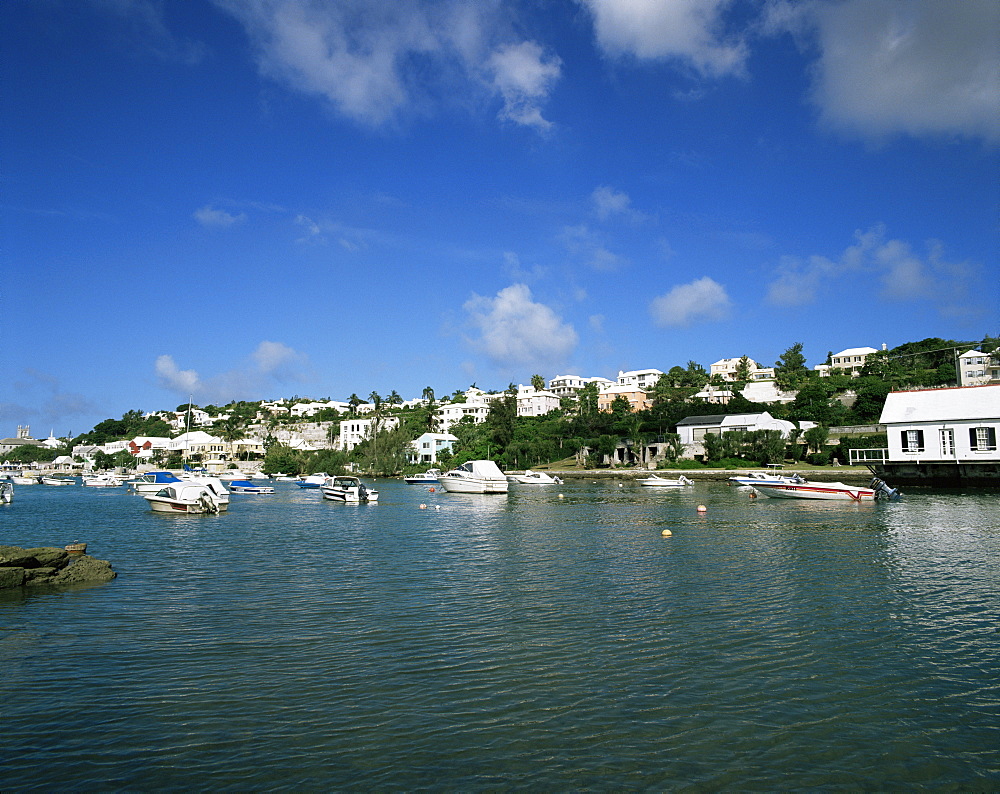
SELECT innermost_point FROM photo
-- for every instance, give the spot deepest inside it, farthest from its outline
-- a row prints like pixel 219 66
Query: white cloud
pixel 582 242
pixel 516 332
pixel 920 67
pixel 172 378
pixel 607 202
pixel 903 275
pixel 272 363
pixel 209 216
pixel 524 77
pixel 374 61
pixel 689 31
pixel 703 300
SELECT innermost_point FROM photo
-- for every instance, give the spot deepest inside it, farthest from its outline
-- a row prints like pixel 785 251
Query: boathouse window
pixel 983 439
pixel 913 441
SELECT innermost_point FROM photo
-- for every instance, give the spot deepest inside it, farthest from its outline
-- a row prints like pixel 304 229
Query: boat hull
pixel 463 485
pixel 176 506
pixel 829 492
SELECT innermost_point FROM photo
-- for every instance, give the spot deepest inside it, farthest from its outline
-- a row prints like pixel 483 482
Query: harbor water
pixel 551 639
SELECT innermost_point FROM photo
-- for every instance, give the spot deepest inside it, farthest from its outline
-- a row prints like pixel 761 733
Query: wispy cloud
pixel 375 61
pixel 901 273
pixel 41 397
pixel 212 217
pixel 524 76
pixel 689 32
pixel 516 332
pixel 921 67
pixel 149 31
pixel 270 365
pixel 703 300
pixel 588 246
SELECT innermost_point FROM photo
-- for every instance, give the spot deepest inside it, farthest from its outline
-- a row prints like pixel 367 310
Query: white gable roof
pixel 935 405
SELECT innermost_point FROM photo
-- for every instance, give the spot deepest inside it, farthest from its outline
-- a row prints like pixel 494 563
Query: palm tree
pixel 394 398
pixel 375 399
pixel 428 394
pixel 354 401
pixel 538 382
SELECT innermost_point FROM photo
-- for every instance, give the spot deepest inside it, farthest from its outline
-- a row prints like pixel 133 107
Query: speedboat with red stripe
pixel 828 491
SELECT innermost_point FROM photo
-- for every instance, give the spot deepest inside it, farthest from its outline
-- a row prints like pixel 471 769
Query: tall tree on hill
pixel 790 369
pixel 428 394
pixel 354 401
pixel 375 399
pixel 538 382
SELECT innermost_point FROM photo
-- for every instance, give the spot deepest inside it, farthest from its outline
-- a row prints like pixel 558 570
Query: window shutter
pixel 920 439
pixel 991 437
pixel 972 438
pixel 906 443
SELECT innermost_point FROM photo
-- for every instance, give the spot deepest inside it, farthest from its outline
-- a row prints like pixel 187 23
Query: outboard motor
pixel 883 491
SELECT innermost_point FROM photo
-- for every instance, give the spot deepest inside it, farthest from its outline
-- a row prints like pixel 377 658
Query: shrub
pixel 818 458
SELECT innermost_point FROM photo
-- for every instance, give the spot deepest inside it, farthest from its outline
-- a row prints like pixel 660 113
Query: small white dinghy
pixel 663 482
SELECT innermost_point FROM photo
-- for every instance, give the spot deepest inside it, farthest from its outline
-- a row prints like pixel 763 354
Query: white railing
pixel 859 457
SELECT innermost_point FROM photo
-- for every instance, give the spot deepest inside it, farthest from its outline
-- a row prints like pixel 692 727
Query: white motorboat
pixel 429 477
pixel 152 481
pixel 6 492
pixel 58 481
pixel 102 481
pixel 663 482
pixel 313 480
pixel 20 479
pixel 827 491
pixel 188 496
pixel 343 488
pixel 772 476
pixel 245 486
pixel 534 478
pixel 475 476
pixel 279 477
pixel 232 474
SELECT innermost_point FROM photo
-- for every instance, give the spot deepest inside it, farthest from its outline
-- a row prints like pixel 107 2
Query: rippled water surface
pixel 519 642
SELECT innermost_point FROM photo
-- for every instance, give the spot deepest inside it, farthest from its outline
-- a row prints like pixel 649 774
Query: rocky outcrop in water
pixel 49 565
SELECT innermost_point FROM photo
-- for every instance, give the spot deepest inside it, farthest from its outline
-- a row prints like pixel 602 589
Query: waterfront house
pixel 641 379
pixel 354 431
pixel 693 429
pixel 939 437
pixel 850 361
pixel 426 448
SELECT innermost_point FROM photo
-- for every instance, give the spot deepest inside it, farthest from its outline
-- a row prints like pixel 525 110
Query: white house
pixel 477 406
pixel 569 385
pixel 693 429
pixel 427 447
pixel 975 369
pixel 354 431
pixel 851 361
pixel 942 436
pixel 531 402
pixel 644 379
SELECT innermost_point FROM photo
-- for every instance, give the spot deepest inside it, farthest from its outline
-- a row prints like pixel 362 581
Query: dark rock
pixel 39 575
pixel 11 577
pixel 85 570
pixel 47 556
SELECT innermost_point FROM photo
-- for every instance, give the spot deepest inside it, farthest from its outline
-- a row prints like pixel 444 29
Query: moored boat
pixel 663 482
pixel 827 491
pixel 475 476
pixel 102 481
pixel 312 480
pixel 6 493
pixel 534 478
pixel 58 481
pixel 188 496
pixel 245 486
pixel 429 477
pixel 343 488
pixel 152 481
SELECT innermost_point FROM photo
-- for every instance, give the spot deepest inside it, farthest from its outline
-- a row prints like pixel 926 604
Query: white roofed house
pixel 693 429
pixel 942 437
pixel 354 431
pixel 428 446
pixel 974 368
pixel 851 361
pixel 531 402
pixel 477 406
pixel 642 379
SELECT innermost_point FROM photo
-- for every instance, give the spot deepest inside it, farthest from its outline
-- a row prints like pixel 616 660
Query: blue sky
pixel 248 199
